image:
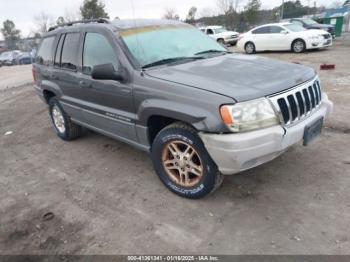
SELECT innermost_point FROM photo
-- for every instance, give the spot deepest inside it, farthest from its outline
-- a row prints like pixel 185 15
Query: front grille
pixel 297 103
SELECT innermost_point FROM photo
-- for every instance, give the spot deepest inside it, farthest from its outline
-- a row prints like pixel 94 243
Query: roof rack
pixel 99 21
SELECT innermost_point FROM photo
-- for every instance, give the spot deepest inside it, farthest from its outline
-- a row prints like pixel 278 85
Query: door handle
pixel 84 84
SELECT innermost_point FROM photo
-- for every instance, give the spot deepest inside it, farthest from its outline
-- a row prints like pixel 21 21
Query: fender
pixel 199 118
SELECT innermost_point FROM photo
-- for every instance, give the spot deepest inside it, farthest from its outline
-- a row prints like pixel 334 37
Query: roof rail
pixel 99 21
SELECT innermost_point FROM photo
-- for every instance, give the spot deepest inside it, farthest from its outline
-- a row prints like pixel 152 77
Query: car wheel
pixel 298 46
pixel 221 42
pixel 249 48
pixel 183 164
pixel 64 127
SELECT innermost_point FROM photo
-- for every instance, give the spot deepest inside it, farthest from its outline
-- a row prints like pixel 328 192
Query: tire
pixel 65 128
pixel 298 46
pixel 184 137
pixel 249 48
pixel 221 42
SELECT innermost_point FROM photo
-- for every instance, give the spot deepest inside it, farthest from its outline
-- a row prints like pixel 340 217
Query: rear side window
pixel 97 51
pixel 44 56
pixel 275 29
pixel 262 30
pixel 70 51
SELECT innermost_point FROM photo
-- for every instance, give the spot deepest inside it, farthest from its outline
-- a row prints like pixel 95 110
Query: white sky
pixel 22 12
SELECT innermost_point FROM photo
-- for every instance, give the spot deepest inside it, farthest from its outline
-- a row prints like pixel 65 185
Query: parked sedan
pixel 10 57
pixel 283 37
pixel 24 59
pixel 312 24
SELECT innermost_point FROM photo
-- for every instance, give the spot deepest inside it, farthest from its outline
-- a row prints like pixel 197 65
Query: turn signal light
pixel 226 115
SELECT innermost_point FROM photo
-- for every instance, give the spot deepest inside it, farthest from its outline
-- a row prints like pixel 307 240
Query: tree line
pixel 230 14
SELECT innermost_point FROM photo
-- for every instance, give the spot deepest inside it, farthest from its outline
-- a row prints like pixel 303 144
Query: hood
pixel 315 32
pixel 227 33
pixel 321 26
pixel 240 77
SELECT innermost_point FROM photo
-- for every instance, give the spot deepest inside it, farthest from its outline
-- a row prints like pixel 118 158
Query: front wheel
pixel 221 42
pixel 183 164
pixel 298 46
pixel 249 48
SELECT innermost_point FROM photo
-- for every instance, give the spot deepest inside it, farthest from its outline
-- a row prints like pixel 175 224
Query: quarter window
pixel 69 51
pixel 44 55
pixel 97 51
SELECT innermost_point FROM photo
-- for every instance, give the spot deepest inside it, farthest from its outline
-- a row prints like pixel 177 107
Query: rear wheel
pixel 64 127
pixel 298 46
pixel 183 164
pixel 249 48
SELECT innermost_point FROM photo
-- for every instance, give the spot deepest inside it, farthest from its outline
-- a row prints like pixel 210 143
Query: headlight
pixel 314 37
pixel 247 116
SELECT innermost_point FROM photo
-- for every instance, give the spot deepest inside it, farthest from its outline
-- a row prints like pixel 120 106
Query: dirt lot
pixel 106 199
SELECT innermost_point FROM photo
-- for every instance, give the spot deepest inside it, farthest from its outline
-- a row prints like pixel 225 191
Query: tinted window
pixel 262 30
pixel 58 51
pixel 97 51
pixel 275 29
pixel 44 55
pixel 210 32
pixel 70 51
pixel 297 22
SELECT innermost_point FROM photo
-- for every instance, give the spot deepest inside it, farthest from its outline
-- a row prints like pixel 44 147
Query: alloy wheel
pixel 182 163
pixel 58 119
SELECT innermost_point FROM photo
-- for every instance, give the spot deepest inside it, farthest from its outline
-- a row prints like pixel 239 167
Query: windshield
pixel 155 43
pixel 220 30
pixel 309 22
pixel 295 28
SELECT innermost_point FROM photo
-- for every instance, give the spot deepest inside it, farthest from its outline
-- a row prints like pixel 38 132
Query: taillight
pixel 34 75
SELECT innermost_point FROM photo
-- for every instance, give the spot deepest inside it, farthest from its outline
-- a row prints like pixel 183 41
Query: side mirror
pixel 285 32
pixel 107 72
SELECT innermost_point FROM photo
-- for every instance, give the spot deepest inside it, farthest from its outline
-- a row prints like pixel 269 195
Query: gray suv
pixel 168 89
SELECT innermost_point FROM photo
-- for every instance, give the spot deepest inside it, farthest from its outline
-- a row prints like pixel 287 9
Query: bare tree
pixel 224 6
pixel 71 15
pixel 171 14
pixel 206 12
pixel 337 4
pixel 43 21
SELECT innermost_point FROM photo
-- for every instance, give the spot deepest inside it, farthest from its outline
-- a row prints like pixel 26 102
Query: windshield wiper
pixel 210 51
pixel 171 60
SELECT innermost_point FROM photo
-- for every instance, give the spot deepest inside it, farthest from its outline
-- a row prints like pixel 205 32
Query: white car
pixel 221 35
pixel 283 37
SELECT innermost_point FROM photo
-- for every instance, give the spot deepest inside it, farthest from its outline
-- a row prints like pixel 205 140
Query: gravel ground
pixel 106 199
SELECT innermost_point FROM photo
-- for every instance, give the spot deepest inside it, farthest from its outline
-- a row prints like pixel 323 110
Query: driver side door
pixel 109 104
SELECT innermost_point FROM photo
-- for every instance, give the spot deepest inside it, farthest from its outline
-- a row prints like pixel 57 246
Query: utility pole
pixel 282 10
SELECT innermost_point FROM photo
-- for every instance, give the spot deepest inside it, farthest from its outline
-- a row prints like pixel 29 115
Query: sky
pixel 22 12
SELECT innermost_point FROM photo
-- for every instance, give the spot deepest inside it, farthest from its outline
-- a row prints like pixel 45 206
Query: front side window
pixel 44 56
pixel 97 51
pixel 210 32
pixel 69 51
pixel 155 43
pixel 295 28
pixel 275 29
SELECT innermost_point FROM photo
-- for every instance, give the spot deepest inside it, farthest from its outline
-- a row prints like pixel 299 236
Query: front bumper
pixel 323 43
pixel 234 153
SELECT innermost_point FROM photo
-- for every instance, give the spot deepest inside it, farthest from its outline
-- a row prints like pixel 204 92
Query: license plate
pixel 312 131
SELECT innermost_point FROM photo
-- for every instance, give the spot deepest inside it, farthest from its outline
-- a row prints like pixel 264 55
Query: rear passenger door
pixel 65 74
pixel 261 38
pixel 109 104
